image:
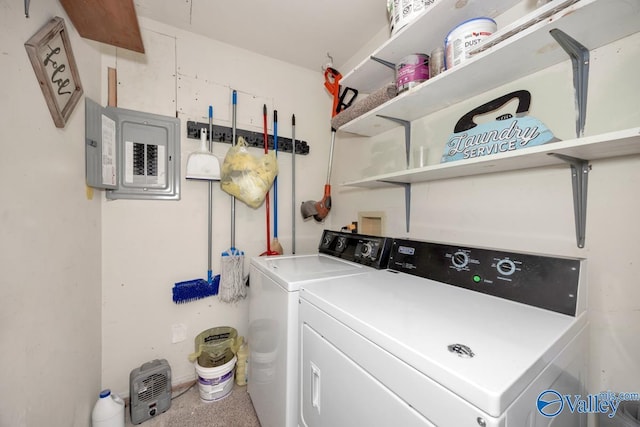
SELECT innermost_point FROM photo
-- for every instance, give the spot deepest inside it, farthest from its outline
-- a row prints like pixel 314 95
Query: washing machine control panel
pixel 368 250
pixel 540 280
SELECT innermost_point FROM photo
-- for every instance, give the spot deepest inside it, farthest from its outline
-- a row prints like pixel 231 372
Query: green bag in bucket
pixel 215 346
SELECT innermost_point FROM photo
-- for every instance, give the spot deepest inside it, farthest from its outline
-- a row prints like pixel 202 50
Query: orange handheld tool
pixel 341 99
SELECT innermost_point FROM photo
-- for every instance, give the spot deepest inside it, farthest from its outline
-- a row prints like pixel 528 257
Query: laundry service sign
pixel 506 133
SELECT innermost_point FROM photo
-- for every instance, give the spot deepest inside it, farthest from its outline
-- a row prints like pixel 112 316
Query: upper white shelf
pixel 423 34
pixel 593 23
pixel 614 144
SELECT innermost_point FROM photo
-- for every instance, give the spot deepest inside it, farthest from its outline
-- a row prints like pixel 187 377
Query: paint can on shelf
pixel 411 71
pixel 465 37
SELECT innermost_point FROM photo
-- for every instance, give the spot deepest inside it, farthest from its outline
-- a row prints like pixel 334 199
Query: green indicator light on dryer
pixel 476 278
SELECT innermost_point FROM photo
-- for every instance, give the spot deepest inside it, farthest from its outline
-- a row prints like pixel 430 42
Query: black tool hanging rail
pixel 253 139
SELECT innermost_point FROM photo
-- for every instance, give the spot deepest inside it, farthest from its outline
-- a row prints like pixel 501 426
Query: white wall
pixel 50 327
pixel 58 245
pixel 150 245
pixel 531 210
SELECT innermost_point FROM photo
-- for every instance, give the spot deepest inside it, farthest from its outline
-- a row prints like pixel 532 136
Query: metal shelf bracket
pixel 580 59
pixel 407 201
pixel 579 181
pixel 407 134
pixel 383 62
pixel 407 147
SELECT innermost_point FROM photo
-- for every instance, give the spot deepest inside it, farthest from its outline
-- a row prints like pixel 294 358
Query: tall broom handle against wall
pixel 275 243
pixel 210 243
pixel 275 180
pixel 265 136
pixel 293 184
pixel 234 101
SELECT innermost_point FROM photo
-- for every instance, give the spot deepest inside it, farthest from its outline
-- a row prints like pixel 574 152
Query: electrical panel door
pixel 132 155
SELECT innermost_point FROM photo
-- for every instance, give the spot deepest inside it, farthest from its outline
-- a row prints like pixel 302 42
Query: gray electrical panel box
pixel 130 154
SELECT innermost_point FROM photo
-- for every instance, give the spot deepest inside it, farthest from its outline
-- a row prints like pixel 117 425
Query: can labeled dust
pixel 411 71
pixel 464 37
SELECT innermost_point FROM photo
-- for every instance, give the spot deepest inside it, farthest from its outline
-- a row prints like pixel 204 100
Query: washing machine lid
pixel 417 320
pixel 291 271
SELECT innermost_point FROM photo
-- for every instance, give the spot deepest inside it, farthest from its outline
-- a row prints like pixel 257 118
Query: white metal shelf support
pixel 579 180
pixel 407 186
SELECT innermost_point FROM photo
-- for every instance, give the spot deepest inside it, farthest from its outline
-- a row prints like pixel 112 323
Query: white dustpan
pixel 203 164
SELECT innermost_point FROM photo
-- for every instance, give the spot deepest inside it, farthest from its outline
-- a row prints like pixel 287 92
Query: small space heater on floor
pixel 150 390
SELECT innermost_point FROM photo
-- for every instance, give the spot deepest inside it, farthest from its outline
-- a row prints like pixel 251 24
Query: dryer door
pixel 336 392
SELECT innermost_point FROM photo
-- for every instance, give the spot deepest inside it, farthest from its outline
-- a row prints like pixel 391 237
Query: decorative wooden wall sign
pixel 52 59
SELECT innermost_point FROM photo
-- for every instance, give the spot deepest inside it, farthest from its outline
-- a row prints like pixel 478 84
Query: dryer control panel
pixel 539 280
pixel 372 251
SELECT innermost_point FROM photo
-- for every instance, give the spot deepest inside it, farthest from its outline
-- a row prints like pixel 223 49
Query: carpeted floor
pixel 189 410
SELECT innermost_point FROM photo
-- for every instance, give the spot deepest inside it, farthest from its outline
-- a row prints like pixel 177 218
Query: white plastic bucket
pixel 215 383
pixel 108 410
pixel 464 37
pixel 404 11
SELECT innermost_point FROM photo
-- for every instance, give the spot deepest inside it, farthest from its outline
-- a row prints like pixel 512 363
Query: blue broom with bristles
pixel 192 290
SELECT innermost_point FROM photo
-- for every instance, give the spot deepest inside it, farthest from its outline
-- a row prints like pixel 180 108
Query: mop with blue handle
pixel 232 287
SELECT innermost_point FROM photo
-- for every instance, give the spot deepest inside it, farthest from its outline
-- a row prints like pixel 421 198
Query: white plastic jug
pixel 108 410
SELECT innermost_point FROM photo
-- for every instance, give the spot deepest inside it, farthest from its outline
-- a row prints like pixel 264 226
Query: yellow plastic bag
pixel 246 177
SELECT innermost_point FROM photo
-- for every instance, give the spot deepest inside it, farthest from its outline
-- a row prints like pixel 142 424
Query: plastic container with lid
pixel 108 410
pixel 215 383
pixel 465 37
pixel 402 12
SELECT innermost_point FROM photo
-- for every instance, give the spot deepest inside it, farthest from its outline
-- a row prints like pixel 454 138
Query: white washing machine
pixel 273 315
pixel 448 336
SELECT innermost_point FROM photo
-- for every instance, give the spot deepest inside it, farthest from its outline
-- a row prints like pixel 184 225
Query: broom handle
pixel 293 184
pixel 210 198
pixel 266 151
pixel 233 143
pixel 275 181
pixel 333 142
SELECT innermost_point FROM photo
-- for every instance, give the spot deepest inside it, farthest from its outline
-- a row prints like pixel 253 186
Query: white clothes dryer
pixel 448 336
